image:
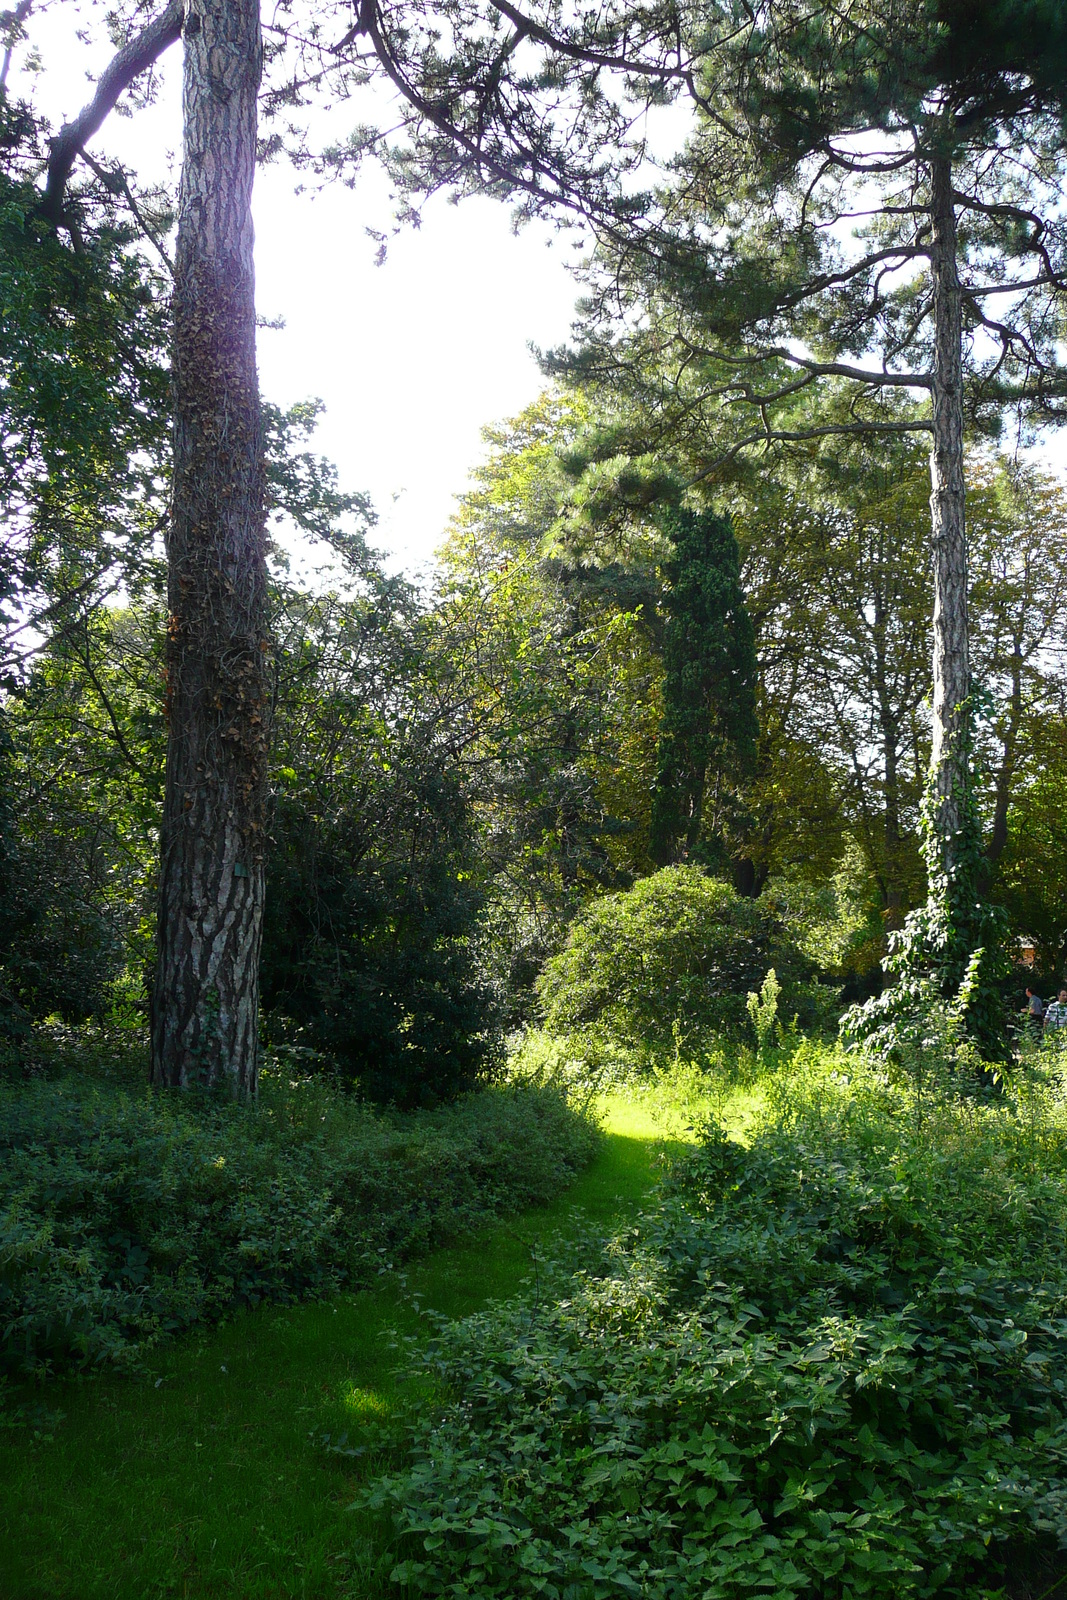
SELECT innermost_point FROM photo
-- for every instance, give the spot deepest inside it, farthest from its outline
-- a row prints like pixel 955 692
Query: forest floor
pixel 208 1475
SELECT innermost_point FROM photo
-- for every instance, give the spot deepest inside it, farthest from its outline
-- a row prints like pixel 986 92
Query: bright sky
pixel 412 358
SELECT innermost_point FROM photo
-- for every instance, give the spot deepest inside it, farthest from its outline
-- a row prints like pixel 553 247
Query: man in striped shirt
pixel 1056 1012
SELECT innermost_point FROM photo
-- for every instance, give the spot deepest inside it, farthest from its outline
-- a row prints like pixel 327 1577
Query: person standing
pixel 1034 1010
pixel 1056 1012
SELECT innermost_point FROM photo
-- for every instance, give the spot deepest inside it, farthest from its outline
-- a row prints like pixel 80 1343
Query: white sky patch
pixel 413 358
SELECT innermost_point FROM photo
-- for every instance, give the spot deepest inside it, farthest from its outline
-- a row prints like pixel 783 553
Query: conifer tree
pixel 871 200
pixel 709 675
pixel 545 106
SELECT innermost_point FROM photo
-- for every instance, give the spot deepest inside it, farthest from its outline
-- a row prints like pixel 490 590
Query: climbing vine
pixel 949 953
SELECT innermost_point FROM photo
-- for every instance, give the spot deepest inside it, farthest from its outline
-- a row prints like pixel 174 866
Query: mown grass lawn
pixel 208 1477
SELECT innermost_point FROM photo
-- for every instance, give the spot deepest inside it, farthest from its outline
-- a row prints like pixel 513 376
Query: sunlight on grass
pixel 639 1118
pixel 672 1106
pixel 365 1405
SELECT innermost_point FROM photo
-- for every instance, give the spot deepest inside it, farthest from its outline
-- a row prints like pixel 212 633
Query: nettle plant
pixel 830 1363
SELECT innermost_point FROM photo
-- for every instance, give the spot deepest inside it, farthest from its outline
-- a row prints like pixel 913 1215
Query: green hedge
pixel 127 1216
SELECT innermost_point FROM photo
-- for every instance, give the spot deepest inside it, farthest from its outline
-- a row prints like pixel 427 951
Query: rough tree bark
pixel 952 676
pixel 206 991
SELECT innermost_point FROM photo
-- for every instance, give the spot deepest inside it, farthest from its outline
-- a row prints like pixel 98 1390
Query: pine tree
pixel 518 106
pixel 864 238
pixel 546 108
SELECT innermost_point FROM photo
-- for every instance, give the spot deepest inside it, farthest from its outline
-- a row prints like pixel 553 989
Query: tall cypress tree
pixel 709 678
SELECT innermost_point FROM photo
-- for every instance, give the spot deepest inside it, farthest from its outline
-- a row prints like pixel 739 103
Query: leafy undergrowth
pixel 127 1217
pixel 205 1474
pixel 830 1364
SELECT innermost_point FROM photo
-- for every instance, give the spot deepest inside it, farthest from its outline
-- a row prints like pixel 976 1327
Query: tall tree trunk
pixel 206 990
pixel 952 677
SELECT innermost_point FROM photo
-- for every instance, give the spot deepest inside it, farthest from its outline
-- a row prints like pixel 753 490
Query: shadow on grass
pixel 208 1475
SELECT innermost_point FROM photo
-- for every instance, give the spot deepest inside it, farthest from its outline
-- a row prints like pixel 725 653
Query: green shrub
pixel 128 1216
pixel 831 1364
pixel 370 950
pixel 672 958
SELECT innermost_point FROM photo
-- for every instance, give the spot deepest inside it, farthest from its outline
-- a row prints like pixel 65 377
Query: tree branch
pixel 486 161
pixel 842 369
pixel 102 695
pixel 832 280
pixel 798 435
pixel 534 30
pixel 116 78
pixel 117 180
pixel 820 369
pixel 1058 282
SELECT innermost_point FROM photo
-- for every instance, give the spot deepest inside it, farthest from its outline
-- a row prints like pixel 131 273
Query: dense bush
pixel 376 879
pixel 369 942
pixel 672 958
pixel 127 1216
pixel 831 1364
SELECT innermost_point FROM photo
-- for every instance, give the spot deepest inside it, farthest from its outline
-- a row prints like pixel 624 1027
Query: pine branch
pixel 817 369
pixel 1057 281
pixel 769 435
pixel 133 59
pixel 528 28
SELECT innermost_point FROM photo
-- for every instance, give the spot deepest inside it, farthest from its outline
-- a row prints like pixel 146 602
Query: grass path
pixel 207 1478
